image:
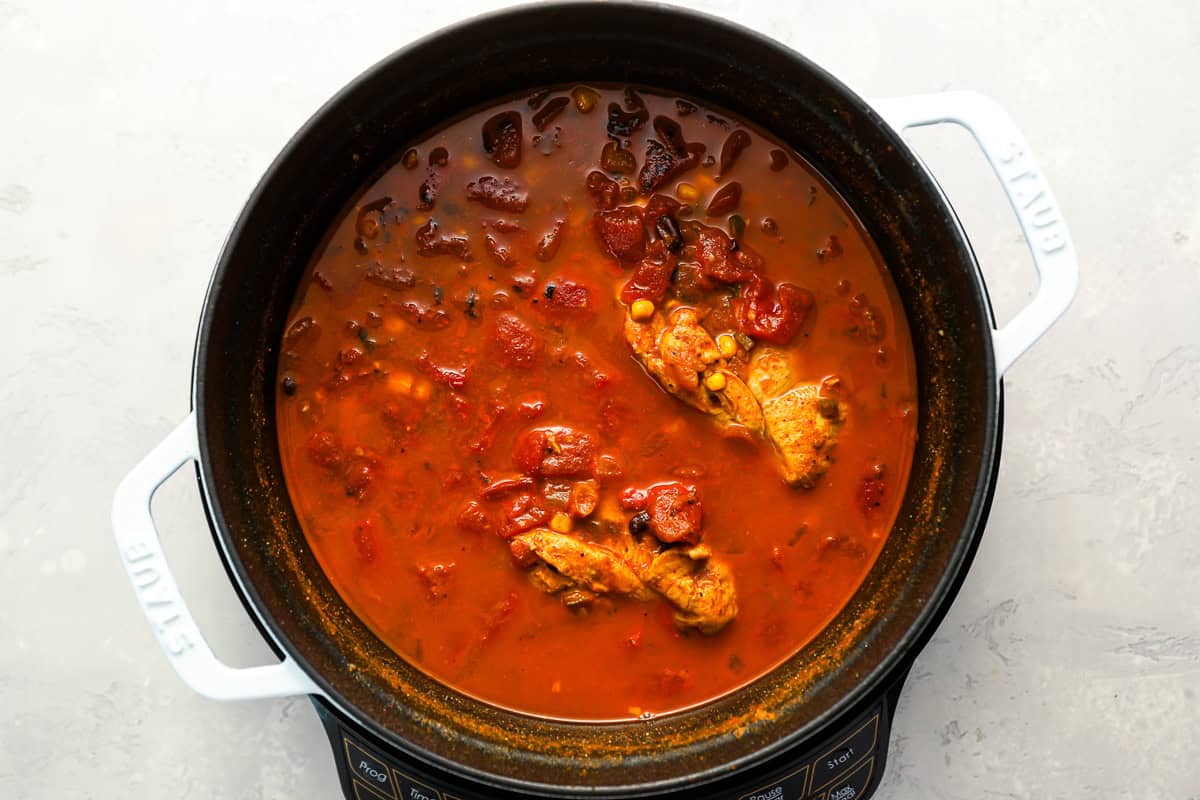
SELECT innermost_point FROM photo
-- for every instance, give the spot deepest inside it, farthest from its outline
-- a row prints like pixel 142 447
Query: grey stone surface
pixel 130 133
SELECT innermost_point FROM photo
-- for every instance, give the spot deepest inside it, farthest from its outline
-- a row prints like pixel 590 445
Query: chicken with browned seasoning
pixel 802 424
pixel 686 361
pixel 570 562
pixel 699 586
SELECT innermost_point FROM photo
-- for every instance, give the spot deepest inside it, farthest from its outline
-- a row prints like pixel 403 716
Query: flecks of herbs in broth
pixel 461 390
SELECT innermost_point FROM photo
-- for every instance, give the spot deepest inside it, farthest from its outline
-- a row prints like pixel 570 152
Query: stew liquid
pixel 474 376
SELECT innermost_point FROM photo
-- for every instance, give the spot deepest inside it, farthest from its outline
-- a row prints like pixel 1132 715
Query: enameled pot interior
pixel 367 125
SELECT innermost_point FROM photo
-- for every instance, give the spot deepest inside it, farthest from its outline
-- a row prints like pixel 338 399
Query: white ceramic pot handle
pixel 1027 190
pixel 141 553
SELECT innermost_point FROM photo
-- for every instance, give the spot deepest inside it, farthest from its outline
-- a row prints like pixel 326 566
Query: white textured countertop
pixel 130 135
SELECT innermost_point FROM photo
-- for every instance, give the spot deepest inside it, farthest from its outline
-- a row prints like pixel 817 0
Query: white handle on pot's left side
pixel 176 630
pixel 1036 209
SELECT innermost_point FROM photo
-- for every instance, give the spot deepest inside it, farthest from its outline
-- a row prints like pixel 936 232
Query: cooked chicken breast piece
pixel 583 565
pixel 681 356
pixel 699 586
pixel 800 423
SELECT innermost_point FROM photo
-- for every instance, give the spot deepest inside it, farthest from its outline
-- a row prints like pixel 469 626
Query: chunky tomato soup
pixel 596 404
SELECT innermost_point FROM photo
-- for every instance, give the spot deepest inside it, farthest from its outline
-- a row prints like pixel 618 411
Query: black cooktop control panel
pixel 846 766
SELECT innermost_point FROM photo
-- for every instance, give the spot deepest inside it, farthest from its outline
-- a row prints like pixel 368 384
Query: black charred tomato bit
pixel 288 384
pixel 670 133
pixel 663 164
pixel 737 227
pixel 472 300
pixel 738 141
pixel 779 160
pixel 549 290
pixel 502 139
pixel 623 122
pixel 667 230
pixel 549 112
pixel 439 157
pixel 726 200
pixel 683 108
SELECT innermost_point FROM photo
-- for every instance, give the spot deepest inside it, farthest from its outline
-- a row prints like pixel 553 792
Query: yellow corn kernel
pixel 470 161
pixel 422 390
pixel 687 193
pixel 715 382
pixel 727 345
pixel 641 310
pixel 560 522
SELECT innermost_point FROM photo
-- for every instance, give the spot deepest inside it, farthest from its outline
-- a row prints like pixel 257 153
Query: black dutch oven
pixel 817 725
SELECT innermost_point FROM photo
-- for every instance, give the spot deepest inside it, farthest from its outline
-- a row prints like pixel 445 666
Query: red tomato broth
pixel 387 423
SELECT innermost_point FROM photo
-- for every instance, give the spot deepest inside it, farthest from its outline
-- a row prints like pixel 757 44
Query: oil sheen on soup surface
pixel 596 404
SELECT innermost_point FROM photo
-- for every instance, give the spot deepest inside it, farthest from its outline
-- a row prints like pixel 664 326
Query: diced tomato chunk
pixel 503 486
pixel 772 314
pixel 518 344
pixel 675 512
pixel 525 513
pixel 455 378
pixel 522 553
pixel 556 452
pixel 474 517
pixel 720 261
pixel 566 295
pixel 649 281
pixel 621 233
pixel 660 205
pixel 324 450
pixel 634 499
